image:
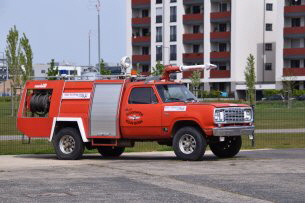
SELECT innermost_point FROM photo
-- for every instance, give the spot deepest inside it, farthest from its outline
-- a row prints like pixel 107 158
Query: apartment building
pixel 222 32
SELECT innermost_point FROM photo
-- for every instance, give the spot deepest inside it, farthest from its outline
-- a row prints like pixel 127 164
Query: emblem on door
pixel 134 117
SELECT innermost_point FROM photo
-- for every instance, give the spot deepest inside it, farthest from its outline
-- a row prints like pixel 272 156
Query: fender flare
pixel 79 122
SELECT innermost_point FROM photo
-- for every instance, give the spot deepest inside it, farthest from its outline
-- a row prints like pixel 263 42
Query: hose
pixel 40 103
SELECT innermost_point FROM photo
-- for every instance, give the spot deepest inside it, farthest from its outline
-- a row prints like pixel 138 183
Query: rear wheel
pixel 68 144
pixel 189 144
pixel 111 151
pixel 228 148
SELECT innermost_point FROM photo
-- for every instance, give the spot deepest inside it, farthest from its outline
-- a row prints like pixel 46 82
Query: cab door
pixel 141 114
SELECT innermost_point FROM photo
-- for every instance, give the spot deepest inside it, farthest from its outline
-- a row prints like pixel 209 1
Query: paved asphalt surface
pixel 253 176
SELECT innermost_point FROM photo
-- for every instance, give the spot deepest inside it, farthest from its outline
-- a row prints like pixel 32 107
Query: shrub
pixel 297 93
pixel 268 93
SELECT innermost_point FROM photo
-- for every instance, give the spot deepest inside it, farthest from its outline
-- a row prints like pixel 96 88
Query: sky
pixel 59 29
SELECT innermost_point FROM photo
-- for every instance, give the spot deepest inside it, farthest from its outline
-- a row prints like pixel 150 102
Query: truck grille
pixel 233 115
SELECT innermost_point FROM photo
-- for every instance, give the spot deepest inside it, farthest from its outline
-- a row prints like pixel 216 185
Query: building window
pixel 158 1
pixel 295 22
pixel 173 33
pixel 43 71
pixel 222 47
pixel 173 14
pixel 159 53
pixel 145 50
pixel 295 63
pixel 268 26
pixel 269 6
pixel 73 72
pixel 173 1
pixel 142 95
pixel 268 66
pixel 222 27
pixel 159 13
pixel 145 13
pixel 159 34
pixel 196 29
pixel 173 52
pixel 196 9
pixel 223 7
pixel 196 48
pixel 145 68
pixel 268 47
pixel 295 2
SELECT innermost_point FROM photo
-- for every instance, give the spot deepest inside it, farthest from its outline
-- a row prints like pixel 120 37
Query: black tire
pixel 68 144
pixel 110 151
pixel 182 144
pixel 227 149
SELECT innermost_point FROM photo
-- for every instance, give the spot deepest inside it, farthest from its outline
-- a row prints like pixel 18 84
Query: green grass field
pixel 267 116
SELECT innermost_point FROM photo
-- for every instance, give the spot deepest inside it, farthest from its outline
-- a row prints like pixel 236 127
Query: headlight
pixel 219 116
pixel 248 115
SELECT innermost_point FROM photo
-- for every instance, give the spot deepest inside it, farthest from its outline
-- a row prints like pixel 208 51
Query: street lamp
pixel 98 6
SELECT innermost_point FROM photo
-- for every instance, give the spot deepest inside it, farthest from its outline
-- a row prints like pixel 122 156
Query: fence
pixel 276 127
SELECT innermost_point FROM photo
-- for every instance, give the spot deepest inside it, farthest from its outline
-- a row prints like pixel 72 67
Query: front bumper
pixel 233 131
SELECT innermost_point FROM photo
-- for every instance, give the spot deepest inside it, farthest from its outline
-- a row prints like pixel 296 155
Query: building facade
pixel 222 32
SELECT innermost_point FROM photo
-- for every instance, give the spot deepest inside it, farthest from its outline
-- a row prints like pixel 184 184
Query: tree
pixel 195 81
pixel 289 84
pixel 250 78
pixel 26 59
pixel 13 57
pixel 52 70
pixel 158 70
pixel 104 71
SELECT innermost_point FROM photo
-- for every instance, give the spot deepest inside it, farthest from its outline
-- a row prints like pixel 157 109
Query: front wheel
pixel 189 144
pixel 68 144
pixel 228 148
pixel 111 151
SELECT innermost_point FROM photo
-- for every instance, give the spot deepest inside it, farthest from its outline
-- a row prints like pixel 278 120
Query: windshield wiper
pixel 191 99
pixel 173 99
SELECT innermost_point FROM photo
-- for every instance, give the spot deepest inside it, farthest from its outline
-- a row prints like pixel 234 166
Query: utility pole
pixel 98 6
pixel 89 49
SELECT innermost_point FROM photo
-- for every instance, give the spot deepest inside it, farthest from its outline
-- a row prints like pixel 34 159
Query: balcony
pixel 294 32
pixel 220 56
pixel 193 19
pixel 220 36
pixel 221 16
pixel 193 38
pixel 220 73
pixel 193 57
pixel 191 2
pixel 141 22
pixel 188 74
pixel 294 53
pixel 142 59
pixel 293 72
pixel 294 11
pixel 140 3
pixel 141 41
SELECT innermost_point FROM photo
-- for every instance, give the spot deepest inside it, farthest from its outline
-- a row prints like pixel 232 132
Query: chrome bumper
pixel 233 131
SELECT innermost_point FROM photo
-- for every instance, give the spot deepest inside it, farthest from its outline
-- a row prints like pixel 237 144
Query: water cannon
pixel 178 69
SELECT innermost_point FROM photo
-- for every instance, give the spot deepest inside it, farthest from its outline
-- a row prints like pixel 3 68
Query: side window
pixel 142 95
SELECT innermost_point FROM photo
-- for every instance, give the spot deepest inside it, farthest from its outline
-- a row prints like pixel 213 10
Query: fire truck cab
pixel 115 112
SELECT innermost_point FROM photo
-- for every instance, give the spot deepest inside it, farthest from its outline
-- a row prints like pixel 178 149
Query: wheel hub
pixel 187 144
pixel 67 144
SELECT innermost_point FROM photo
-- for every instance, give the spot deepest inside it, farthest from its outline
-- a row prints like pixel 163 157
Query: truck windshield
pixel 175 93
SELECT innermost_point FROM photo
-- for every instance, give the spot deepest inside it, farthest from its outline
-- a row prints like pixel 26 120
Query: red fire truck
pixel 114 112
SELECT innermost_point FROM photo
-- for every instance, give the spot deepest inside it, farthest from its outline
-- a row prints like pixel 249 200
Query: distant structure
pixel 221 32
pixel 4 76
